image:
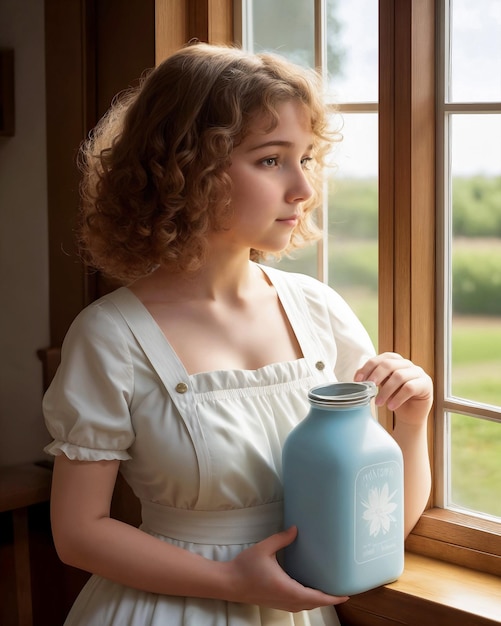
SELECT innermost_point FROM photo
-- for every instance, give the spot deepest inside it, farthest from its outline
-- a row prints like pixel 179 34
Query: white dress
pixel 202 452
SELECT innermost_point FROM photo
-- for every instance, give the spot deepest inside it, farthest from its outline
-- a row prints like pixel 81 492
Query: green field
pixel 476 443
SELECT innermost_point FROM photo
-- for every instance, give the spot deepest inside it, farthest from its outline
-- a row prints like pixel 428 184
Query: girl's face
pixel 268 173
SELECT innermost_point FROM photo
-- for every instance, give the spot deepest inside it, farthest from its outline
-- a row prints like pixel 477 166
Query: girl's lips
pixel 293 219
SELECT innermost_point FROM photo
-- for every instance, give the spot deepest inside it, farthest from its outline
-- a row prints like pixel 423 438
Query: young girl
pixel 189 379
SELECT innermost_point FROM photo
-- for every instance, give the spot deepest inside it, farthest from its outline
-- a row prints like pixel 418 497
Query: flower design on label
pixel 379 509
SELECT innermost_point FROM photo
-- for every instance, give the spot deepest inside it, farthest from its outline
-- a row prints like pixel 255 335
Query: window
pixel 469 203
pixel 432 188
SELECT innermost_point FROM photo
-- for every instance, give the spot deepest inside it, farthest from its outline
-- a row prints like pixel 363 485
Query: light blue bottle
pixel 343 489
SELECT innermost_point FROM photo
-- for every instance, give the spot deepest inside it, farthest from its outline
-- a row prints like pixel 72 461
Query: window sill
pixel 428 592
pixel 458 538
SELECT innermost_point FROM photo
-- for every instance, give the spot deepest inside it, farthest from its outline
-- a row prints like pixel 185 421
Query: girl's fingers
pixel 378 368
pixel 398 379
pixel 278 541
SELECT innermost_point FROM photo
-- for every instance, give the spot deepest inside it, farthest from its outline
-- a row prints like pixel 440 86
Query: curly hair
pixel 154 170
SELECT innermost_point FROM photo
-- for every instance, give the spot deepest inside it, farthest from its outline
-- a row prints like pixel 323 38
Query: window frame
pixel 445 109
pixel 410 252
pixel 411 223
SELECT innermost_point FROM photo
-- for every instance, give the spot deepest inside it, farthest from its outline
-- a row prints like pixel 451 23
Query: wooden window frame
pixel 407 248
pixel 179 21
pixel 408 220
pixel 439 584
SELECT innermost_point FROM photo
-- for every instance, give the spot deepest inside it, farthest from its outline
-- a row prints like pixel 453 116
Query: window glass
pixel 475 469
pixel 476 258
pixel 352 50
pixel 353 218
pixel 472 248
pixel 284 26
pixel 475 51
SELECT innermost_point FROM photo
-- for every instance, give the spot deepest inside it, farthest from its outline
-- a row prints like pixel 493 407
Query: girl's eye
pixel 270 162
pixel 305 162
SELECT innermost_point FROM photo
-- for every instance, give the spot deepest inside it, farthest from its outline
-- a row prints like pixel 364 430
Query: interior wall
pixel 24 306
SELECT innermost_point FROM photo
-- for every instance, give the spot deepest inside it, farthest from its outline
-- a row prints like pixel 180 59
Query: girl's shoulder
pixel 99 325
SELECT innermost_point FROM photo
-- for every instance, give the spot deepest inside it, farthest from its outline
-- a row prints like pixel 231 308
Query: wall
pixel 24 308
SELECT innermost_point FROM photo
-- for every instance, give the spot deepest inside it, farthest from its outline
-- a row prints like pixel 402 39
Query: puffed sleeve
pixel 354 346
pixel 86 408
pixel 338 328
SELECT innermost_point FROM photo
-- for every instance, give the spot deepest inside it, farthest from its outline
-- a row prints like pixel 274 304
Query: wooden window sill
pixel 458 538
pixel 429 592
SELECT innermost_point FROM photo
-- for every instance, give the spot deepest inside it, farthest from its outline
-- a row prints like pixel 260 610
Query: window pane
pixel 475 51
pixel 476 258
pixel 475 446
pixel 352 50
pixel 472 145
pixel 353 218
pixel 476 356
pixel 286 27
pixel 476 144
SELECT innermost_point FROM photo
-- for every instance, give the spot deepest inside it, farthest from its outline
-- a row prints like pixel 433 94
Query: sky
pixel 476 76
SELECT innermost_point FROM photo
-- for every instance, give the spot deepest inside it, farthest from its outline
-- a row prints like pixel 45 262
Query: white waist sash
pixel 235 526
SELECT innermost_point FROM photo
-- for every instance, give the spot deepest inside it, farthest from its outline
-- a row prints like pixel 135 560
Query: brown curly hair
pixel 155 167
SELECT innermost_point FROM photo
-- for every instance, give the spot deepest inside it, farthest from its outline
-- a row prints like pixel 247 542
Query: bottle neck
pixel 342 395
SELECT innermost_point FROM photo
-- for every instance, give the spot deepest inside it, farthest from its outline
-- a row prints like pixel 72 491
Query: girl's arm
pixel 86 537
pixel 406 389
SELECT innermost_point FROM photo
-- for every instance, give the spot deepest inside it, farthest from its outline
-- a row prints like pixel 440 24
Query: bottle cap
pixel 342 394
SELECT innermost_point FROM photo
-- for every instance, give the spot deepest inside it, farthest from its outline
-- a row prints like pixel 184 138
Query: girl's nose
pixel 299 189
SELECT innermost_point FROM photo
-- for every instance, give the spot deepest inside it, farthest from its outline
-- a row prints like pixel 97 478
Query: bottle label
pixel 378 511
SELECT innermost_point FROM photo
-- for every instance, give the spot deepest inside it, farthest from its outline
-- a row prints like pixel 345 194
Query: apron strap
pixel 173 375
pixel 292 298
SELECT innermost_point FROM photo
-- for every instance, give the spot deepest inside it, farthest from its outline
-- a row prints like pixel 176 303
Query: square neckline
pixel 292 317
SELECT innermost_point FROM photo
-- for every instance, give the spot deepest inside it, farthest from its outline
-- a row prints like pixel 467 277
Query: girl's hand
pixel 258 578
pixel 403 386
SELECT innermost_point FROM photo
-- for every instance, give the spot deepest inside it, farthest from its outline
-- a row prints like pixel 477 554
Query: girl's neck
pixel 230 280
